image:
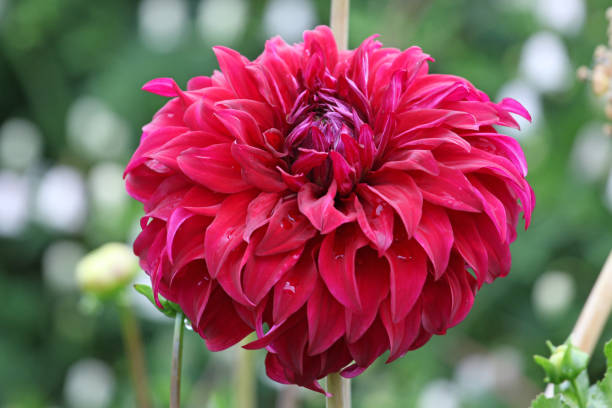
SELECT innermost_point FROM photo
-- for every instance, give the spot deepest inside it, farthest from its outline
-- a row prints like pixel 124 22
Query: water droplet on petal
pixel 288 287
pixel 188 325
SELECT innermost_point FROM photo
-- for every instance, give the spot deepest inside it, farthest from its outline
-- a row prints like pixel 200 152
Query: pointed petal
pixel 435 235
pixel 325 320
pixel 408 272
pixel 214 167
pixel 399 190
pixel 375 218
pixel 321 210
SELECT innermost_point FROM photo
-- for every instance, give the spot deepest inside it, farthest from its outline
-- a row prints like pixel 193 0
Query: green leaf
pixel 543 402
pixel 168 308
pixel 600 394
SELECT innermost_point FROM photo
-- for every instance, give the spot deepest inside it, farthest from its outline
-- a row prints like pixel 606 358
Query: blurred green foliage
pixel 53 52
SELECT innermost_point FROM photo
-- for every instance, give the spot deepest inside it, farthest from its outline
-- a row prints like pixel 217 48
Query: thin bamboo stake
pixel 340 22
pixel 339 387
pixel 595 312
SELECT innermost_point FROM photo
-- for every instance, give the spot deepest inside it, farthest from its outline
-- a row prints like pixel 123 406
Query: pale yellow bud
pixel 609 109
pixel 107 269
pixel 600 80
pixel 583 73
pixel 600 52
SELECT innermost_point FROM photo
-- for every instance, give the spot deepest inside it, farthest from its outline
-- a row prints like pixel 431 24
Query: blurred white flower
pixel 105 183
pixel 475 374
pixel 553 293
pixel 530 99
pixel 95 130
pixel 90 383
pixel 565 16
pixel 545 63
pixel 591 157
pixel 58 263
pixel 162 23
pixel 221 21
pixel 439 394
pixel 289 18
pixel 61 201
pixel 14 203
pixel 20 144
pixel 508 366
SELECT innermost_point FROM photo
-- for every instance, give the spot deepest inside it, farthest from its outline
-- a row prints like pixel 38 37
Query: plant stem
pixel 595 312
pixel 177 354
pixel 134 351
pixel 244 380
pixel 339 22
pixel 340 388
pixel 578 393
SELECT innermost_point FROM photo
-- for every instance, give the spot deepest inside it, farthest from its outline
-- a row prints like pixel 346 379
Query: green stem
pixel 177 354
pixel 578 393
pixel 244 380
pixel 135 354
pixel 340 388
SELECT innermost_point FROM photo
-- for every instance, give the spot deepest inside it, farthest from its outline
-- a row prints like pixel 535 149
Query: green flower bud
pixel 565 363
pixel 106 270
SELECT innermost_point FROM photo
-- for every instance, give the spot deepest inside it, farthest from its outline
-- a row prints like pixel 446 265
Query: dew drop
pixel 288 287
pixel 379 209
pixel 401 257
pixel 339 257
pixel 188 325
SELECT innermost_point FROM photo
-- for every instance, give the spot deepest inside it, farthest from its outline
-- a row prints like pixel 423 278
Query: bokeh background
pixel 70 113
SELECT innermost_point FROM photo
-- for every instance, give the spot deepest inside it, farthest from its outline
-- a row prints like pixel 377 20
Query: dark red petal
pixel 220 325
pixel 295 288
pixel 202 201
pixel 233 66
pixel 213 167
pixel 325 320
pixel 287 229
pixel 258 212
pixel 401 333
pixel 470 245
pixel 224 234
pixel 258 168
pixel 407 160
pixel 437 306
pixel 408 272
pixel 375 218
pixel 372 276
pixel 435 235
pixel 371 345
pixel 337 265
pixel 450 189
pixel 263 272
pixel 399 190
pixel 320 210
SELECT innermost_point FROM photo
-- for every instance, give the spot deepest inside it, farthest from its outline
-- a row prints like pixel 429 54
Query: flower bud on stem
pixel 177 354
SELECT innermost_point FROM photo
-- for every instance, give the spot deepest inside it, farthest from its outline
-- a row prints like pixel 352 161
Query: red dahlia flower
pixel 338 203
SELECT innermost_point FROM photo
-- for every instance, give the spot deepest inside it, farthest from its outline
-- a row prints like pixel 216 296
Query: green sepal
pixel 543 402
pixel 565 363
pixel 168 308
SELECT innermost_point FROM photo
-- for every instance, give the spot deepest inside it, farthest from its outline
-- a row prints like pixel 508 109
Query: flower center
pixel 321 122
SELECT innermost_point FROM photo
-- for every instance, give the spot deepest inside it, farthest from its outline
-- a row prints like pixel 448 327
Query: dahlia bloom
pixel 338 203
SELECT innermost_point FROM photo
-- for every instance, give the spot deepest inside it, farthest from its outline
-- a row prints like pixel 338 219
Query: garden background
pixel 70 113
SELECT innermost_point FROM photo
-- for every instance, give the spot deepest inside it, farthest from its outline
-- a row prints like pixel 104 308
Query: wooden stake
pixel 339 22
pixel 595 312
